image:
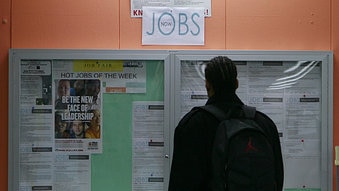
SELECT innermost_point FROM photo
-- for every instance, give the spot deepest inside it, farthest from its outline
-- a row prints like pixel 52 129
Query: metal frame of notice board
pixel 303 148
pixel 113 63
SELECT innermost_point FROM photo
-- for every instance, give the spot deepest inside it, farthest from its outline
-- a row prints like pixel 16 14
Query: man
pixel 78 129
pixel 93 89
pixel 194 135
pixel 64 88
pixel 61 126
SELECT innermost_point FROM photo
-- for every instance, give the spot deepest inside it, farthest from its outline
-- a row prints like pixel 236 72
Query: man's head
pixel 92 87
pixel 64 88
pixel 60 124
pixel 221 76
pixel 79 87
pixel 78 128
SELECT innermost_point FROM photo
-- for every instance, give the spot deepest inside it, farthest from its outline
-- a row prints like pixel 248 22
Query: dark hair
pixel 221 73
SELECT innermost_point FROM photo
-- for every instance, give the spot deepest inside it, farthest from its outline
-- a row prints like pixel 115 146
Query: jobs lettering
pixel 166 24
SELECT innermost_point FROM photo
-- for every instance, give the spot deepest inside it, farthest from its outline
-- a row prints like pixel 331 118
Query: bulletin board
pixel 129 152
pixel 140 99
pixel 293 88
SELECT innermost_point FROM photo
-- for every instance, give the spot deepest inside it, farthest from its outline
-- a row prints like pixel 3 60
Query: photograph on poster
pixel 77 108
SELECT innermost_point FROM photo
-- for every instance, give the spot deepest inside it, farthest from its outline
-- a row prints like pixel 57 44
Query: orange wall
pixel 4 45
pixel 265 24
pixel 106 24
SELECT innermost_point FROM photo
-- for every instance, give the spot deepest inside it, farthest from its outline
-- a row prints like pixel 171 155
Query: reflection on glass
pixel 288 81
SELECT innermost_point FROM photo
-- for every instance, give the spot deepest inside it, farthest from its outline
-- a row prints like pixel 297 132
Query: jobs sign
pixel 172 26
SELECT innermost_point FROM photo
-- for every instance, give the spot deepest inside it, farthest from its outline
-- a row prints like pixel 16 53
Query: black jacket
pixel 193 140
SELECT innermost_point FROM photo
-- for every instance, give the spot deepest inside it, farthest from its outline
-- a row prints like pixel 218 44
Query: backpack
pixel 242 155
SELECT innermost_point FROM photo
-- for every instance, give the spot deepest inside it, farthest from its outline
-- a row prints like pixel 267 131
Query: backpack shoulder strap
pixel 216 112
pixel 249 111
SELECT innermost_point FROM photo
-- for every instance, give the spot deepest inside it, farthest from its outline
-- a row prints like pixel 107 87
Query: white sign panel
pixel 172 26
pixel 136 5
